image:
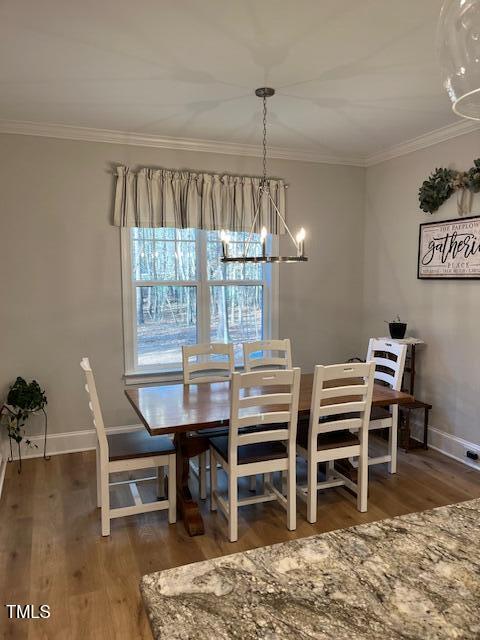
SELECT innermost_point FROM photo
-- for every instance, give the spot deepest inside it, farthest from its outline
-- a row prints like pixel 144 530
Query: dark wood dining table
pixel 177 409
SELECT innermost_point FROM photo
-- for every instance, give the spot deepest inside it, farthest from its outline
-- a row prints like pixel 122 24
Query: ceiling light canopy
pixel 458 41
pixel 264 191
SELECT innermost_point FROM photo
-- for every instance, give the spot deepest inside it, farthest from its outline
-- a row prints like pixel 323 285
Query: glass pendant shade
pixel 458 42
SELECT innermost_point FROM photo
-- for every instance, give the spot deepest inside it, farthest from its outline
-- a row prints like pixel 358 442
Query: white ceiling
pixel 353 77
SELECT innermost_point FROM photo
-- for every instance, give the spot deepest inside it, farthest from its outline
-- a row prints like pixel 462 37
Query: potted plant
pixel 397 328
pixel 23 400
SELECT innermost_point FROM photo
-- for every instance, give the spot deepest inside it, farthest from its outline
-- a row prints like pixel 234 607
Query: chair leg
pixel 291 481
pixel 284 482
pixel 213 481
pixel 312 491
pixel 99 478
pixel 262 484
pixel 407 429
pixel 172 488
pixel 362 482
pixel 267 477
pixel 232 507
pixel 202 475
pixel 252 483
pixel 161 482
pixel 330 469
pixel 392 441
pixel 105 501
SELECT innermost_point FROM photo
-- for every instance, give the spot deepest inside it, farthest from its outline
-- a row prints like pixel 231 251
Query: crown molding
pixel 424 141
pixel 85 134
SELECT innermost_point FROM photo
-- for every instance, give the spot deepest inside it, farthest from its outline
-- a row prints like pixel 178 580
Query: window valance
pixel 182 199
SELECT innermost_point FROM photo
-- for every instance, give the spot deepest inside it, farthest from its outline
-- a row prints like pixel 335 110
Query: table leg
pixel 425 428
pixel 412 371
pixel 408 433
pixel 188 448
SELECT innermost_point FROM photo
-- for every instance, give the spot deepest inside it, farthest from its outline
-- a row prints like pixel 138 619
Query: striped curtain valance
pixel 183 199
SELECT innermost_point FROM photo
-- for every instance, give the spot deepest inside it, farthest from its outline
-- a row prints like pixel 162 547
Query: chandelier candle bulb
pixel 263 240
pixel 225 240
pixel 301 243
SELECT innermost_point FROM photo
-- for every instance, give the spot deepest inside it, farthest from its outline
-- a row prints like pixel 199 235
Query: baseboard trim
pixel 448 444
pixel 70 442
pixel 3 469
pixel 3 458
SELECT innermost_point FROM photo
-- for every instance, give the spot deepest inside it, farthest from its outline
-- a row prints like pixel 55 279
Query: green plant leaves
pixel 472 180
pixel 26 396
pixel 436 189
pixel 442 183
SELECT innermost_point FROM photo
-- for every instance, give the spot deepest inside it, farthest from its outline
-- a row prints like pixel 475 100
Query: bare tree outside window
pixel 184 294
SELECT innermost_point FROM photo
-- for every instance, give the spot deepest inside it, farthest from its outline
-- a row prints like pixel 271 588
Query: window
pixel 176 291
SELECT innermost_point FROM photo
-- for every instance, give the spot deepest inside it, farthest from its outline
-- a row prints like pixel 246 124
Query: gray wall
pixel 60 265
pixel 445 314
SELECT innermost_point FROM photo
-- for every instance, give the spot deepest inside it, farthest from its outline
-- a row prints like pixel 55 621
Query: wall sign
pixel 450 249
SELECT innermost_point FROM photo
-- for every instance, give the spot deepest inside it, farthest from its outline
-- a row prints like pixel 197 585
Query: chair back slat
pixel 276 393
pixel 207 367
pixel 215 365
pixel 341 408
pixel 340 425
pixel 265 400
pixel 94 406
pixel 266 379
pixel 351 382
pixel 258 419
pixel 344 391
pixel 382 376
pixel 389 358
pixel 263 436
pixel 268 349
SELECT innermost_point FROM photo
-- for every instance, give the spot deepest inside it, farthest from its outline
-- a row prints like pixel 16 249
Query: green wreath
pixel 443 183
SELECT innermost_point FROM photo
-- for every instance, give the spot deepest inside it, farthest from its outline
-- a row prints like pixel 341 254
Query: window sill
pixel 160 377
pixel 151 377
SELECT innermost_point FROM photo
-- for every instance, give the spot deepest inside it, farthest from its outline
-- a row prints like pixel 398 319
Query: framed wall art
pixel 450 249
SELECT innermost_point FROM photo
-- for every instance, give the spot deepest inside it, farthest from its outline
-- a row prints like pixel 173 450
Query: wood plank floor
pixel 51 551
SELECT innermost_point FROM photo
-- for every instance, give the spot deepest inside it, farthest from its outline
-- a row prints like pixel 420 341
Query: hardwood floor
pixel 51 551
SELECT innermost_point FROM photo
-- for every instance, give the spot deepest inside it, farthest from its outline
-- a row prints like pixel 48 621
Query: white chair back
pixel 353 383
pixel 275 354
pixel 389 358
pixel 205 368
pixel 263 398
pixel 94 405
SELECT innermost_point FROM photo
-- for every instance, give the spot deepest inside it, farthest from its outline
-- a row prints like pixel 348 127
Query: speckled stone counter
pixel 412 577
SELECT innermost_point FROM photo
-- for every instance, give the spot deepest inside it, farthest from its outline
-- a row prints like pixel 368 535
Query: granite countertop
pixel 415 577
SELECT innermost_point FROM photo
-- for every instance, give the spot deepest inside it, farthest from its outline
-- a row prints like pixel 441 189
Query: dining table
pixel 178 409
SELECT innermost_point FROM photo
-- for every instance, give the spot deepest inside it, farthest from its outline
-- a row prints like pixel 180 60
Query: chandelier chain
pixel 264 181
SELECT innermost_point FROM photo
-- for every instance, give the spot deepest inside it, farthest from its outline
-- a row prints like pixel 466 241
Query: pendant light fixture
pixel 458 43
pixel 264 190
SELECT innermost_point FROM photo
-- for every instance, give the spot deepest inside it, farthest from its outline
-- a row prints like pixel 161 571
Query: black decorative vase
pixel 397 329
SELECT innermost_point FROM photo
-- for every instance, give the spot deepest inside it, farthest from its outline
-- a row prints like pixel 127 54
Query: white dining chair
pixel 267 354
pixel 128 452
pixel 269 399
pixel 389 358
pixel 209 362
pixel 337 430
